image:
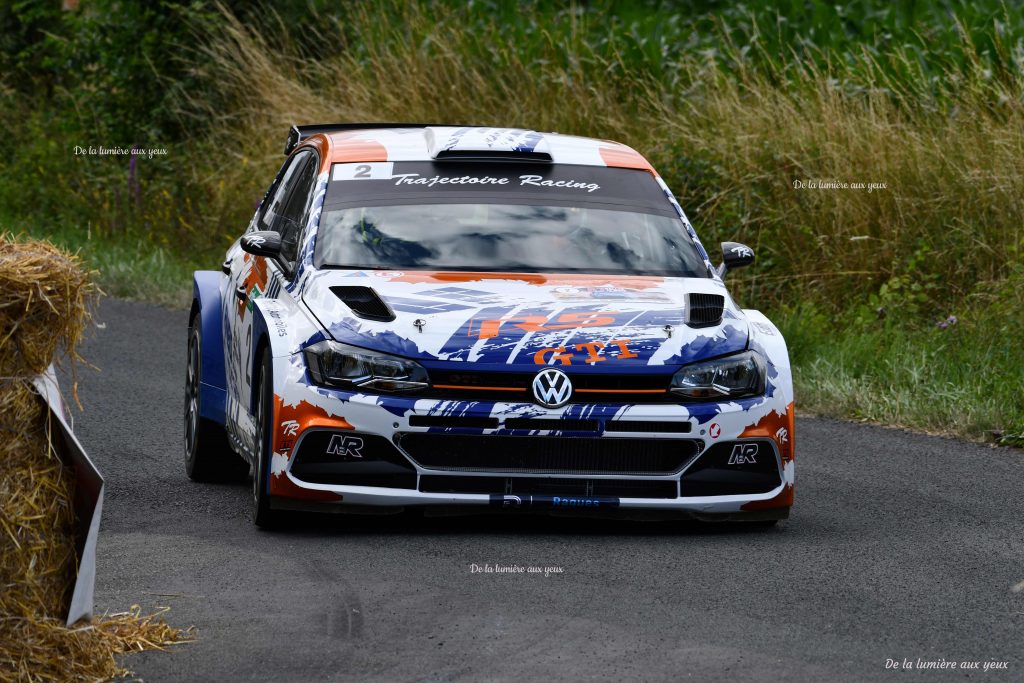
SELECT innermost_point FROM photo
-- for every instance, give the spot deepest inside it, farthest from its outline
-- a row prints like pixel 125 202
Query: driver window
pixel 287 209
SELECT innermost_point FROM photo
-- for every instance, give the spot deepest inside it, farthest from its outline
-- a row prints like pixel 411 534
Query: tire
pixel 208 456
pixel 262 515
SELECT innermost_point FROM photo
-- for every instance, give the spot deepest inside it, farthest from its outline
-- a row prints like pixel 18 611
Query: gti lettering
pixel 560 356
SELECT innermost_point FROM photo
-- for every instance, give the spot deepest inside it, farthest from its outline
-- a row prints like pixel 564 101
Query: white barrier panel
pixel 88 501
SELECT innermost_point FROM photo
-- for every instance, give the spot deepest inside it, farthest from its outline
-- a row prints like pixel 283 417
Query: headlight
pixel 730 377
pixel 340 365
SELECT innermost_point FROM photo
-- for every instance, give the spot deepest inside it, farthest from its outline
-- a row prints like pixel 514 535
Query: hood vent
pixel 365 303
pixel 490 155
pixel 704 309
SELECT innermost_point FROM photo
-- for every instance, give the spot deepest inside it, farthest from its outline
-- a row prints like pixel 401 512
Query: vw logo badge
pixel 552 388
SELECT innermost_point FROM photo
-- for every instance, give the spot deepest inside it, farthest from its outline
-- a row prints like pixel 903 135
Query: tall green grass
pixel 730 144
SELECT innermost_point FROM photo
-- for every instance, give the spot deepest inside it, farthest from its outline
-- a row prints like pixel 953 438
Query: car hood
pixel 606 323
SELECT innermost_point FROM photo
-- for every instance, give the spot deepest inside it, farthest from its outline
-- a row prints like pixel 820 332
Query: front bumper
pixel 694 460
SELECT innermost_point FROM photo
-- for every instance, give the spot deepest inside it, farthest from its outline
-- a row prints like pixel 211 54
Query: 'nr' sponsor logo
pixel 743 454
pixel 345 446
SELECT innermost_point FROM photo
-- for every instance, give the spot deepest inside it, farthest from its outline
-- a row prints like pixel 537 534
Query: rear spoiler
pixel 299 133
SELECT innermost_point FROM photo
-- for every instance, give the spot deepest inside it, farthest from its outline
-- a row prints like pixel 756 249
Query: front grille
pixel 449 422
pixel 527 486
pixel 568 425
pixel 551 424
pixel 647 426
pixel 516 386
pixel 548 454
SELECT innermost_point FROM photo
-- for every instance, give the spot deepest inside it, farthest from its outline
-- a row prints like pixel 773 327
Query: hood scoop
pixel 704 310
pixel 365 303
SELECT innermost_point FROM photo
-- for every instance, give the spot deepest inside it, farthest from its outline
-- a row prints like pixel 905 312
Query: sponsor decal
pixel 742 251
pixel 538 181
pixel 561 502
pixel 417 179
pixel 715 430
pixel 782 435
pixel 345 446
pixel 289 427
pixel 380 170
pixel 540 323
pixel 254 241
pixel 743 454
pixel 588 352
pixel 385 171
pixel 564 502
pixel 552 388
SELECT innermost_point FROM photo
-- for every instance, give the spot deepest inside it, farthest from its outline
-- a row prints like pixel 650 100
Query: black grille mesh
pixel 548 454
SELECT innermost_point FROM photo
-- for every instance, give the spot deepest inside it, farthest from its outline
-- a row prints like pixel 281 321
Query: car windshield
pixel 506 237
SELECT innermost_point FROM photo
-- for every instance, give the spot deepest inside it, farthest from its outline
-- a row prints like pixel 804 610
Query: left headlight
pixel 734 376
pixel 333 364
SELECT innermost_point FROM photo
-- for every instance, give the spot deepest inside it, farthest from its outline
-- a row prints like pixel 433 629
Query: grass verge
pixel 124 266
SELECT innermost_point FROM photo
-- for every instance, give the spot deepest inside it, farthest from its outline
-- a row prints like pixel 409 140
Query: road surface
pixel 900 547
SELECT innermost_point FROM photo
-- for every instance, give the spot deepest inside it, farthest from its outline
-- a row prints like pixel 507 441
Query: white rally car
pixel 485 318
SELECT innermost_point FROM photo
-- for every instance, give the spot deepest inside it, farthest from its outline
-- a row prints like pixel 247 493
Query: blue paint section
pixel 386 342
pixel 458 345
pixel 712 346
pixel 528 142
pixel 213 387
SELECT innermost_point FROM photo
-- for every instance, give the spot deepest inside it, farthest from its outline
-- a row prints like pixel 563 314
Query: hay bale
pixel 45 305
pixel 46 299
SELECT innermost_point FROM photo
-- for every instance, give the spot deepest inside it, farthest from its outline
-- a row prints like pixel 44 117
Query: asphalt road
pixel 901 546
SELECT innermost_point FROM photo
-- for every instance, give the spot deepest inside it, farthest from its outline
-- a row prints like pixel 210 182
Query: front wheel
pixel 208 457
pixel 262 515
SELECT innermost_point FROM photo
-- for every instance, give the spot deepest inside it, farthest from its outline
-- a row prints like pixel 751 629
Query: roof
pixel 417 142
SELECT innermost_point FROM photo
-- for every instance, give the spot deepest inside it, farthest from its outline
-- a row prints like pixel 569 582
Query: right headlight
pixel 333 364
pixel 742 374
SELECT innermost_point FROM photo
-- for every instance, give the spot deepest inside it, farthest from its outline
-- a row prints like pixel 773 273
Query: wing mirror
pixel 262 243
pixel 735 255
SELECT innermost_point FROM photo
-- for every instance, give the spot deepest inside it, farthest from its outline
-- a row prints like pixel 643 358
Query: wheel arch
pixel 269 331
pixel 206 304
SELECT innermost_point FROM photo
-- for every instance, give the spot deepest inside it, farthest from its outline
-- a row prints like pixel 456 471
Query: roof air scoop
pixel 365 303
pixel 504 144
pixel 704 310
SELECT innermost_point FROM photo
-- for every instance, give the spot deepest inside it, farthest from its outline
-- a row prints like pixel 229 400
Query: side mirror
pixel 262 243
pixel 735 255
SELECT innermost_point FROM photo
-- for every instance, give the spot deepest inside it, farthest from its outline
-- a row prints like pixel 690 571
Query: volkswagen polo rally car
pixel 460 317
